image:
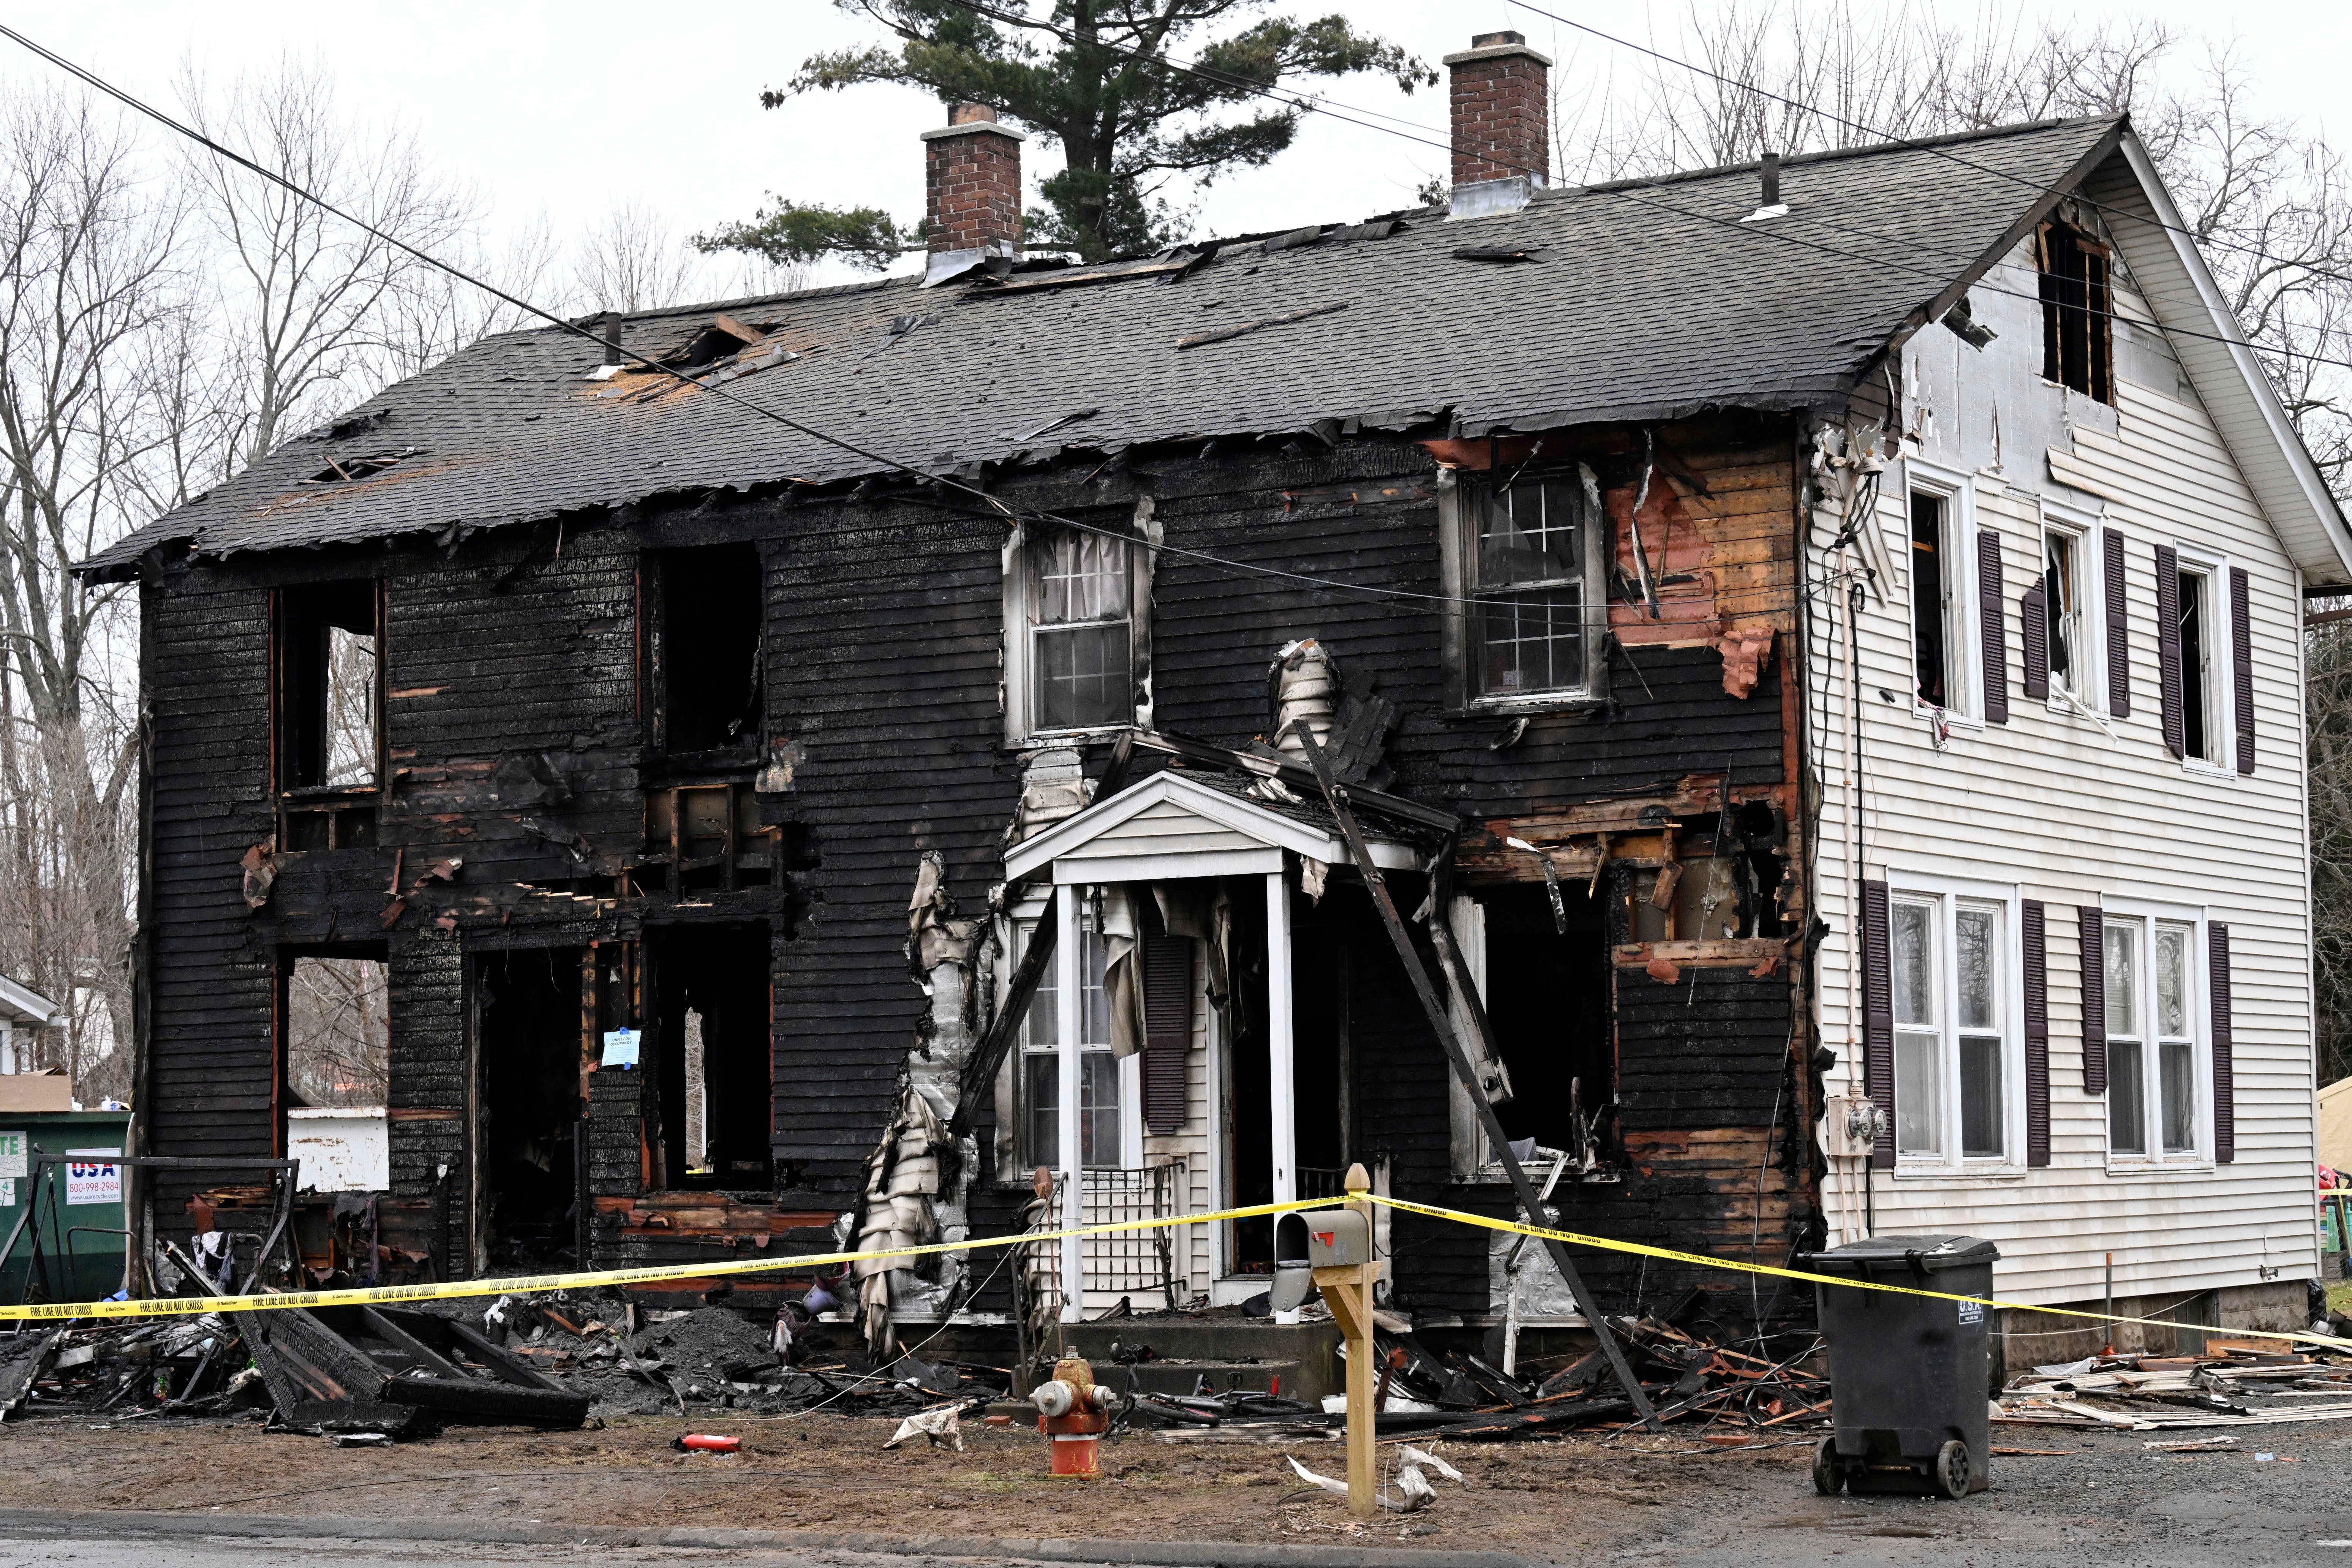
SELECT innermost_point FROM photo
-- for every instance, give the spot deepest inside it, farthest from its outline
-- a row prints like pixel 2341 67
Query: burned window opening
pixel 530 1047
pixel 708 682
pixel 1546 995
pixel 710 1055
pixel 2078 313
pixel 337 1028
pixel 2199 731
pixel 329 680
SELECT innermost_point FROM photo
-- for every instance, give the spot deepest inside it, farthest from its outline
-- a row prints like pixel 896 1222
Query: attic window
pixel 343 470
pixel 2077 311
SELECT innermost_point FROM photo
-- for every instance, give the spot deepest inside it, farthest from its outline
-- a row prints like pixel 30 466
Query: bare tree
pixel 91 306
pixel 633 261
pixel 339 1031
pixel 308 301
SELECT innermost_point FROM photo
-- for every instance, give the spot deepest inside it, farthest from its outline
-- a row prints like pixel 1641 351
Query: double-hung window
pixel 1524 561
pixel 1077 604
pixel 1953 1035
pixel 1101 1098
pixel 2068 629
pixel 2155 1112
pixel 2202 695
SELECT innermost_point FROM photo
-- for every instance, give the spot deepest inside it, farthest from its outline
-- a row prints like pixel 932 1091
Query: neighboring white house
pixel 2082 989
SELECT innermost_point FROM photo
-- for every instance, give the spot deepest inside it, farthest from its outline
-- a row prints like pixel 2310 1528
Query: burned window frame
pixel 288 959
pixel 1461 496
pixel 2075 275
pixel 656 570
pixel 320 815
pixel 1023 598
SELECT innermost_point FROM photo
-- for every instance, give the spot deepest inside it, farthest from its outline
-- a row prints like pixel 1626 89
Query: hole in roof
pixel 343 470
pixel 710 345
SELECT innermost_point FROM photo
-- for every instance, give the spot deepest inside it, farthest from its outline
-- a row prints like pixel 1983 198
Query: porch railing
pixel 1137 1262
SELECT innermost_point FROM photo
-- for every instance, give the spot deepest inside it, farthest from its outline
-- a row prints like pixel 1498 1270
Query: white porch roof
pixel 1175 825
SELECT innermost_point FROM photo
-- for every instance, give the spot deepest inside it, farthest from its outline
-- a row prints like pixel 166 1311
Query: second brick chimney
pixel 972 190
pixel 1502 124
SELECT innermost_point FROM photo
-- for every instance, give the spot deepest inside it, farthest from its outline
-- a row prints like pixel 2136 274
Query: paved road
pixel 20 1552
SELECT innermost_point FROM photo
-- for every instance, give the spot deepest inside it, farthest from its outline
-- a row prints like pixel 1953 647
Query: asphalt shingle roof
pixel 1651 301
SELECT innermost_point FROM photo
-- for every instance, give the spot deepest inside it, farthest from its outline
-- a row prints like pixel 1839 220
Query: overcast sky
pixel 564 113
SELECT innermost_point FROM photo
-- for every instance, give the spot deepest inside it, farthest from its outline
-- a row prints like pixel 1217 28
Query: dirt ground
pixel 1563 1500
pixel 832 1472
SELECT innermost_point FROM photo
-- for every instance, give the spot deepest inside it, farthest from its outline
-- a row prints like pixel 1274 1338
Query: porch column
pixel 1280 1089
pixel 1069 971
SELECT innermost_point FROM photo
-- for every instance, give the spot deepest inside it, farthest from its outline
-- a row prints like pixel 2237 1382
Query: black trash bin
pixel 1909 1374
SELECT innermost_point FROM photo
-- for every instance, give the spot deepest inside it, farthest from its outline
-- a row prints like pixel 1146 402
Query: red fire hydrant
pixel 1073 1413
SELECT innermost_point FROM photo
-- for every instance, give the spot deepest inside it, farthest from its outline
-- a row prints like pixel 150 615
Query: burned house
pixel 699 729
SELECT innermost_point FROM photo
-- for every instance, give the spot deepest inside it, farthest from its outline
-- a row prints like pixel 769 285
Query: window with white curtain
pixel 1074 604
pixel 1954 1043
pixel 2155 1047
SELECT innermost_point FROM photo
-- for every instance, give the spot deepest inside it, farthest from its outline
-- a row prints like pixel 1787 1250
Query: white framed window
pixel 1946 644
pixel 2208 713
pixel 2072 621
pixel 1958 1025
pixel 1524 563
pixel 2157 1041
pixel 1077 617
pixel 1109 1102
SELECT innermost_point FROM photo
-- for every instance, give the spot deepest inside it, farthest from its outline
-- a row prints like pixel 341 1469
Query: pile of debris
pixel 1448 1393
pixel 159 1366
pixel 2151 1392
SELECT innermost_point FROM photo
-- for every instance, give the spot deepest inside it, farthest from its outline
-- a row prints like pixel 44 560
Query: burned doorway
pixel 1312 952
pixel 1547 995
pixel 529 1002
pixel 713 1028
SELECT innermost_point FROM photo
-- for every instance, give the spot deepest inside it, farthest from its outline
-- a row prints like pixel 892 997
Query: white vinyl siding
pixel 2050 803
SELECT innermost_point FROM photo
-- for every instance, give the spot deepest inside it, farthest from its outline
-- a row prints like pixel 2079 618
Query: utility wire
pixel 1928 144
pixel 996 505
pixel 1617 188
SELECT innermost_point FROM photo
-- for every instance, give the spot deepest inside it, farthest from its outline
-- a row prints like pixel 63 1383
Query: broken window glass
pixel 338 1032
pixel 1930 602
pixel 2077 311
pixel 1529 577
pixel 1081 631
pixel 2063 607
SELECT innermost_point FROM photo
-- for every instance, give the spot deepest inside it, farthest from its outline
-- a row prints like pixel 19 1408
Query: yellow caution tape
pixel 373 1295
pixel 1704 1261
pixel 175 1305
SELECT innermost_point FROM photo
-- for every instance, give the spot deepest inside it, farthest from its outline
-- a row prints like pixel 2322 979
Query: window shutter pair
pixel 2094 1025
pixel 1167 1027
pixel 1991 627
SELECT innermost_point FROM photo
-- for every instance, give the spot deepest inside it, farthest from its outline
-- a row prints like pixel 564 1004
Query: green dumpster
pixel 73 1248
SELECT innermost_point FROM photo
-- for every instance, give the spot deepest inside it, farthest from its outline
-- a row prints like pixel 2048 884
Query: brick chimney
pixel 1502 124
pixel 972 190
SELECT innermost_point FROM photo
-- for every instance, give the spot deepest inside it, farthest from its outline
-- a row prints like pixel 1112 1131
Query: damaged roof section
pixel 1655 302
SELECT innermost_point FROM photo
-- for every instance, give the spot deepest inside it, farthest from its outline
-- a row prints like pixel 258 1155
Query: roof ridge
pixel 1837 154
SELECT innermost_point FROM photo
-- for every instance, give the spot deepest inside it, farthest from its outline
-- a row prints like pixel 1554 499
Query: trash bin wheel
pixel 1952 1468
pixel 1826 1477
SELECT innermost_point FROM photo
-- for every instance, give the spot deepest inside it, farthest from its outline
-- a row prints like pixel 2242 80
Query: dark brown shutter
pixel 2095 1000
pixel 2167 649
pixel 2241 666
pixel 2225 1117
pixel 1167 1028
pixel 2037 1036
pixel 2111 544
pixel 1878 1013
pixel 2033 623
pixel 1992 609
